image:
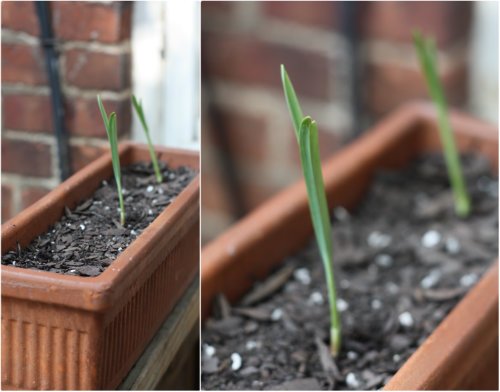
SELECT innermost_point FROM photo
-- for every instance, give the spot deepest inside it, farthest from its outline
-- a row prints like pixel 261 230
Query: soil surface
pixel 88 239
pixel 402 259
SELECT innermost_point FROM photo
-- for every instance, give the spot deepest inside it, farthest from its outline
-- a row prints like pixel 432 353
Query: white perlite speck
pixel 344 284
pixel 406 319
pixel 342 305
pixel 341 214
pixel 133 232
pixel 396 357
pixel 208 351
pixel 352 355
pixel 236 361
pixel 352 381
pixel 277 314
pixel 452 245
pixel 150 188
pixel 150 212
pixel 376 304
pixel 431 238
pixel 82 227
pixel 468 280
pixel 392 288
pixel 377 239
pixel 302 275
pixel 316 298
pixel 431 279
pixel 252 345
pixel 383 260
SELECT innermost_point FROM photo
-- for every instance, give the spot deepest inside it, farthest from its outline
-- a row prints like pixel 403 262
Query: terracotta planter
pixel 71 332
pixel 463 351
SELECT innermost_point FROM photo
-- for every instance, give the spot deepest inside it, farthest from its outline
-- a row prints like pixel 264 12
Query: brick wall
pixel 243 44
pixel 93 40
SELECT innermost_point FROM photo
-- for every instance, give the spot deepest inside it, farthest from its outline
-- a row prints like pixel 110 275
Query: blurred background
pixel 351 63
pixel 51 125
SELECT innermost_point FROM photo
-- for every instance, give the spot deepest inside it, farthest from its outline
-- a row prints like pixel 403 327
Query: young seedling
pixel 426 51
pixel 110 125
pixel 140 113
pixel 306 132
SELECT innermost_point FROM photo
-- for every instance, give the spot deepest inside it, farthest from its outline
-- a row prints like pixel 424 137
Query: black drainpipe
pixel 51 59
pixel 349 27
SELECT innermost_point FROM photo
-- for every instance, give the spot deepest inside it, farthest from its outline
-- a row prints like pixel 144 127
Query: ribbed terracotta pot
pixel 72 332
pixel 462 353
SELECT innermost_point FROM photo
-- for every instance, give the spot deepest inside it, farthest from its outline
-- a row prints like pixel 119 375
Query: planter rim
pixel 102 286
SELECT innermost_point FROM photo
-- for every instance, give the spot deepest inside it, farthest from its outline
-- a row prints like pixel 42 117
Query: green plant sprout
pixel 426 50
pixel 306 132
pixel 110 125
pixel 140 113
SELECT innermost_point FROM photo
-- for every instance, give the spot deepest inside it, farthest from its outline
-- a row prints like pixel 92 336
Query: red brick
pixel 395 20
pixel 318 14
pixel 95 70
pixel 83 155
pixel 29 195
pixel 245 134
pixel 20 16
pixel 246 60
pixel 27 112
pixel 90 21
pixel 23 64
pixel 7 203
pixel 26 158
pixel 389 85
pixel 84 119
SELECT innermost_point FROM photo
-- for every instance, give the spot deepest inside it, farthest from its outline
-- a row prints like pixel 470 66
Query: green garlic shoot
pixel 306 132
pixel 426 50
pixel 140 113
pixel 110 125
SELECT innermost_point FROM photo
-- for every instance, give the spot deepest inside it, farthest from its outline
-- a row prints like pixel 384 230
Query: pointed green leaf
pixel 291 101
pixel 113 141
pixel 140 113
pixel 105 118
pixel 306 132
pixel 111 131
pixel 427 54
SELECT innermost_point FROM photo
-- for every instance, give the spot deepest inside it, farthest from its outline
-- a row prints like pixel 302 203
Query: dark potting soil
pixel 402 259
pixel 88 239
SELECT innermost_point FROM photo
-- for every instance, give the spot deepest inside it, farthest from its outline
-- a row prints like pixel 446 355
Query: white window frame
pixel 165 71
